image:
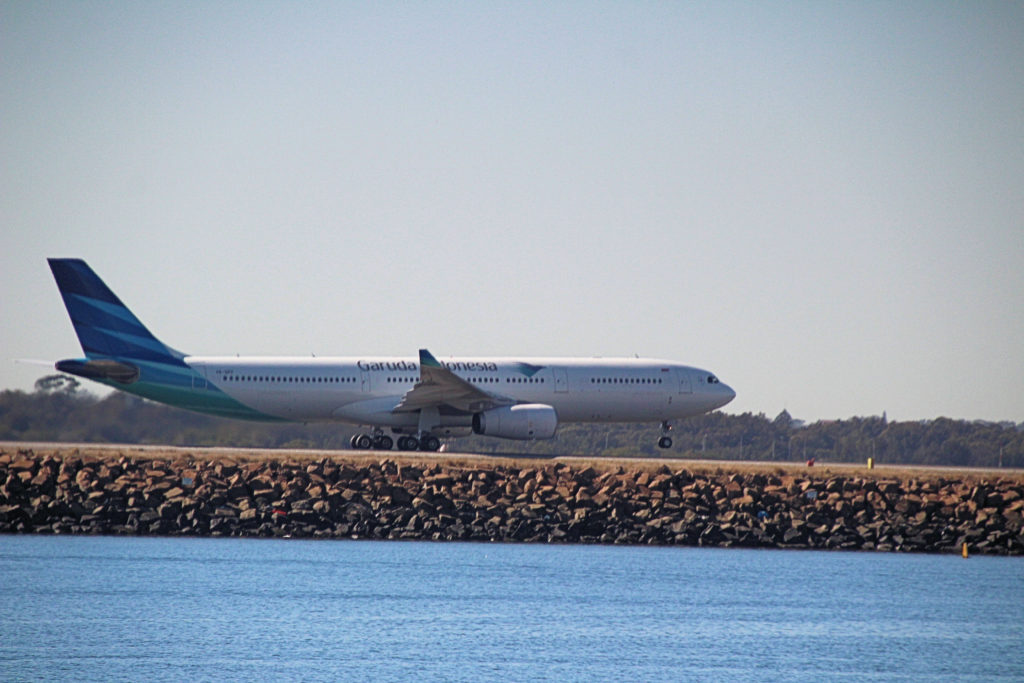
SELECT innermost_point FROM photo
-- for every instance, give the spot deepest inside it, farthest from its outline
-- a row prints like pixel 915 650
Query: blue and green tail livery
pixel 120 351
pixel 104 325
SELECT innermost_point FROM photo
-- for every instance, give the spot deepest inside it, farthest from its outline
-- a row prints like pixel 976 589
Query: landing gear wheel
pixel 352 441
pixel 665 442
pixel 363 442
pixel 408 443
pixel 383 442
pixel 430 443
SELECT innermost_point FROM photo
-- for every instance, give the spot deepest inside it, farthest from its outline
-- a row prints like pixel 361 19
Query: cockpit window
pixel 712 379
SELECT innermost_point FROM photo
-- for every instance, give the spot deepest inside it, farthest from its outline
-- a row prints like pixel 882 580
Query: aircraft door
pixel 685 384
pixel 365 380
pixel 561 380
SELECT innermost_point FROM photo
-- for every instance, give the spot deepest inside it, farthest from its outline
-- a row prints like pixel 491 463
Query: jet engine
pixel 526 421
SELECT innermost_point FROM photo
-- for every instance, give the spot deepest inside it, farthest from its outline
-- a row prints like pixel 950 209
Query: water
pixel 96 608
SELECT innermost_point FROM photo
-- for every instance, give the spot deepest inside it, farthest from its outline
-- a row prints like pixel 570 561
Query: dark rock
pixel 550 504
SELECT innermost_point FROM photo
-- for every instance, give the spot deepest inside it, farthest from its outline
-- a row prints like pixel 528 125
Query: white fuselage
pixel 421 398
pixel 367 390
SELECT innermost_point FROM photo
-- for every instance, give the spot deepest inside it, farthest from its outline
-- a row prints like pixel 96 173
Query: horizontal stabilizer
pixel 122 373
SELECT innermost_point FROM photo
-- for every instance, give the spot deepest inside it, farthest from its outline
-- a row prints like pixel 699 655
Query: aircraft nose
pixel 728 394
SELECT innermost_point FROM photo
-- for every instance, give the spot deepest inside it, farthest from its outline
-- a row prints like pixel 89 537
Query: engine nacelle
pixel 526 421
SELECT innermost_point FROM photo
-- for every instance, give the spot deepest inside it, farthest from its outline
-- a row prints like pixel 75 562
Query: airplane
pixel 419 399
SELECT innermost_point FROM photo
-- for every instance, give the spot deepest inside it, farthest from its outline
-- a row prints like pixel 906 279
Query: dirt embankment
pixel 200 492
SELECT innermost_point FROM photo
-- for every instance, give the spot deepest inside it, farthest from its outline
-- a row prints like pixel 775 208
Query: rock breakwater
pixel 78 493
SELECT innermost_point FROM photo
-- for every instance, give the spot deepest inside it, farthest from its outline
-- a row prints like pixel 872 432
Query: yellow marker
pixel 871 463
pixel 964 552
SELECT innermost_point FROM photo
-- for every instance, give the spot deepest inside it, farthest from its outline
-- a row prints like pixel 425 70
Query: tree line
pixel 60 410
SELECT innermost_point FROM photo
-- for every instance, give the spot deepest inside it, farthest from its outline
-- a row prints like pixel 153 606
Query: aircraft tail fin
pixel 121 353
pixel 105 327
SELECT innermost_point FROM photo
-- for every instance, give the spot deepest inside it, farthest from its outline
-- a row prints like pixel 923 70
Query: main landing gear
pixel 426 442
pixel 379 441
pixel 665 441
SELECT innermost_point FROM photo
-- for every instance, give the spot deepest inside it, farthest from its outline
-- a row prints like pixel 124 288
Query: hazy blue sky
pixel 821 202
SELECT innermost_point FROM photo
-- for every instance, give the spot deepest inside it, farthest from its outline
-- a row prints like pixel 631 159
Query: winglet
pixel 427 359
pixel 440 386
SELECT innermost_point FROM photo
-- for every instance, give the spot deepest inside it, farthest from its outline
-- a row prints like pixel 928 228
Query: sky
pixel 820 202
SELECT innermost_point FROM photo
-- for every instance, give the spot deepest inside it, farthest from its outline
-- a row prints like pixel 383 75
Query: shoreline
pixel 107 450
pixel 160 490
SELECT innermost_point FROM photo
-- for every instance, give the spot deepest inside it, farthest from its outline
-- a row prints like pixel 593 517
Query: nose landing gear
pixel 665 441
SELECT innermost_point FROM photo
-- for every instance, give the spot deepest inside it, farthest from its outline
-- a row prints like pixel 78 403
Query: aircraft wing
pixel 439 386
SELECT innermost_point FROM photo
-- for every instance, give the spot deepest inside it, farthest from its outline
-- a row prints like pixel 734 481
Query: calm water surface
pixel 98 608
